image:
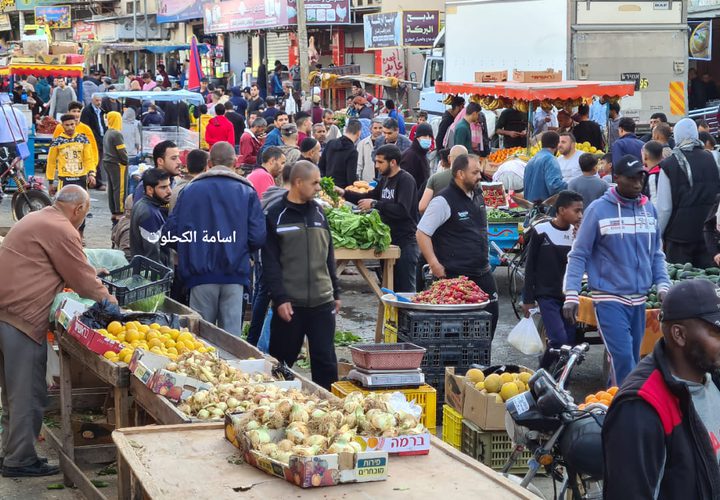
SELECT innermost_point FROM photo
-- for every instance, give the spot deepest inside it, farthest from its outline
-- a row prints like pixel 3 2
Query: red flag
pixel 195 73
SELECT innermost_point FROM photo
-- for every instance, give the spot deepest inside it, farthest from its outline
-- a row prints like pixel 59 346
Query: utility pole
pixel 135 52
pixel 303 57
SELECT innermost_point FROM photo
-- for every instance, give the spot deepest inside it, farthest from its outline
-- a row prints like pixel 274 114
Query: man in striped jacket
pixel 619 247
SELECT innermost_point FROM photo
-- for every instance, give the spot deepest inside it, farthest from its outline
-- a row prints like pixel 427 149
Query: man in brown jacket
pixel 40 256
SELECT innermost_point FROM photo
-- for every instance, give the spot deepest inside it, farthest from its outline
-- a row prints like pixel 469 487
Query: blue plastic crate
pixel 505 235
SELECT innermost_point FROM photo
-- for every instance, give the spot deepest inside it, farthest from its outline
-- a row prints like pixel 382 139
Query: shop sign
pixel 244 15
pixel 31 4
pixel 5 23
pixel 172 11
pixel 382 31
pixel 83 32
pixel 56 17
pixel 420 28
pixel 321 12
pixel 7 5
pixel 700 40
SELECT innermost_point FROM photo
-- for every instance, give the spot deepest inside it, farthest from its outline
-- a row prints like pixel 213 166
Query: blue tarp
pixel 161 49
pixel 165 95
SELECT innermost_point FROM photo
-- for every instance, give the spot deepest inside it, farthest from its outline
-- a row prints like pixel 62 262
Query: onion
pixel 317 440
pixel 203 414
pixel 232 403
pixel 285 445
pixel 200 397
pixel 298 414
pixel 259 436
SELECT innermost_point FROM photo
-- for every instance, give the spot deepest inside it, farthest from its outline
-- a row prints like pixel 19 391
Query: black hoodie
pixel 339 160
pixel 414 161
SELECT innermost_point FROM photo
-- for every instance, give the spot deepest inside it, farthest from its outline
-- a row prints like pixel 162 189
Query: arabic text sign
pixel 243 15
pixel 321 11
pixel 420 27
pixel 82 31
pixel 172 11
pixel 31 4
pixel 382 30
pixel 54 17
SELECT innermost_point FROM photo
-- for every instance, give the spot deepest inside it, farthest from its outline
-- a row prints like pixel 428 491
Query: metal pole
pixel 303 55
pixel 147 30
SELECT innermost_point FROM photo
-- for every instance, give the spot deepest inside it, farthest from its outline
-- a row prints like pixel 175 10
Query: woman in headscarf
pixel 131 133
pixel 115 160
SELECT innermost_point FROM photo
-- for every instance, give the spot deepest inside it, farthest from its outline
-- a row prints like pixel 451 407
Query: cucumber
pixel 687 267
pixel 672 272
pixel 714 271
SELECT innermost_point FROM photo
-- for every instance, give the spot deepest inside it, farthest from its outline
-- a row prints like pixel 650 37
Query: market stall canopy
pixel 329 80
pixel 42 70
pixel 568 89
pixel 167 96
pixel 155 48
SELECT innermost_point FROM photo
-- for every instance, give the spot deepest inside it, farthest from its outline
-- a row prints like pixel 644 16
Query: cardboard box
pixel 57 48
pixel 50 59
pixel 150 369
pixel 91 338
pixel 265 367
pixel 537 76
pixel 312 472
pixel 483 410
pixel 454 389
pixel 67 311
pixel 34 45
pixel 491 76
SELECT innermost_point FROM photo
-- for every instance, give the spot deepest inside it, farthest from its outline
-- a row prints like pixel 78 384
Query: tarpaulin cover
pixel 567 89
pixel 168 95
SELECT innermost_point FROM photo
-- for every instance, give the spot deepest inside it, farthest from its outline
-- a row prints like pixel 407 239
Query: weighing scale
pixel 385 379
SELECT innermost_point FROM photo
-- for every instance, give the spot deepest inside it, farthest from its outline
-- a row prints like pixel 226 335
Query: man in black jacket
pixel 395 198
pixel 299 271
pixel 94 117
pixel 661 436
pixel 448 117
pixel 452 233
pixel 340 157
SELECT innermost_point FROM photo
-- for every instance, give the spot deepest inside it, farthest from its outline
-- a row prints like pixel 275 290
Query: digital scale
pixel 379 379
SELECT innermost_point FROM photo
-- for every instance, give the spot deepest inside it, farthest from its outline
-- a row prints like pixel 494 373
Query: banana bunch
pixel 521 106
pixel 448 99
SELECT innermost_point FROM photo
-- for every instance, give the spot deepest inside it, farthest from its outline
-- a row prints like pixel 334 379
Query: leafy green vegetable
pixel 345 338
pixel 494 214
pixel 363 231
pixel 148 304
pixel 328 186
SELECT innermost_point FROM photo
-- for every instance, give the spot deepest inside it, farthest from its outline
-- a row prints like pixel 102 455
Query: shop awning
pixel 567 89
pixel 155 48
pixel 42 70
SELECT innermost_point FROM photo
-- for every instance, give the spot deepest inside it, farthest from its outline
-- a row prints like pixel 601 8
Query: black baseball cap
pixel 629 166
pixel 692 299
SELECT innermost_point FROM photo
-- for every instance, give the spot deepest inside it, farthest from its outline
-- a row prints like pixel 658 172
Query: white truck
pixel 642 41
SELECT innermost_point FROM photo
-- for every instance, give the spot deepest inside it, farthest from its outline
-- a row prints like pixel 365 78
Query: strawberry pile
pixel 452 291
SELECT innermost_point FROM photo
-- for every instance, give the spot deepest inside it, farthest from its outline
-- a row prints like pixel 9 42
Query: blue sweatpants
pixel 622 328
pixel 558 331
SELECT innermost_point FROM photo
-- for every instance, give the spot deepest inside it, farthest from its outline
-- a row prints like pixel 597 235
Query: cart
pixel 39 143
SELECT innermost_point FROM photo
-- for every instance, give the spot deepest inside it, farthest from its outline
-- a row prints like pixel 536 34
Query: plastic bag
pixel 60 297
pixel 106 258
pixel 102 313
pixel 525 337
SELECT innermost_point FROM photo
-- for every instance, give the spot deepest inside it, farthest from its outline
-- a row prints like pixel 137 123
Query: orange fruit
pixel 589 397
pixel 581 406
pixel 612 390
pixel 603 394
pixel 592 400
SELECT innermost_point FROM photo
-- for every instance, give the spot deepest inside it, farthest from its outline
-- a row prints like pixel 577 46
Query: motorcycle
pixel 564 440
pixel 29 195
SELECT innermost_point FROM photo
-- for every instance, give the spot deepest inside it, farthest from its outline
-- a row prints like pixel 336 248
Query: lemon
pixel 109 355
pixel 155 326
pixel 132 336
pixel 174 334
pixel 475 375
pixel 115 327
pixel 202 349
pixel 103 332
pixel 151 334
pixel 520 385
pixel 125 353
pixel 186 336
pixel 121 337
pixel 155 350
pixel 164 329
pixel 509 389
pixel 156 342
pixel 198 345
pixel 507 377
pixel 144 328
pixel 126 358
pixel 172 350
pixel 525 377
pixel 493 382
pixel 480 386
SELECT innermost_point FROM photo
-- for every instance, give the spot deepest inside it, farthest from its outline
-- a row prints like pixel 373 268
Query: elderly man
pixel 366 165
pixel 46 244
pixel 222 212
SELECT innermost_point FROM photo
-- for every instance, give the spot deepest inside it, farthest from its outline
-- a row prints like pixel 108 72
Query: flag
pixel 195 73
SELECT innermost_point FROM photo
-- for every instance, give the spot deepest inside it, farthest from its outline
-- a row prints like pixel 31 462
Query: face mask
pixel 425 143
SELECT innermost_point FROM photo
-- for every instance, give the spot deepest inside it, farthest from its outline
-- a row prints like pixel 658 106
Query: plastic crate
pixel 438 356
pixel 159 276
pixel 493 448
pixel 504 234
pixel 391 316
pixel 422 326
pixel 452 426
pixel 390 333
pixel 400 356
pixel 425 396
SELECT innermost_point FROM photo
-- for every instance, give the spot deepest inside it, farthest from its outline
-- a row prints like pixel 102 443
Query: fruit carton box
pixel 265 367
pixel 150 369
pixel 549 75
pixel 483 409
pixel 69 308
pixel 491 76
pixel 91 338
pixel 312 472
pixel 418 444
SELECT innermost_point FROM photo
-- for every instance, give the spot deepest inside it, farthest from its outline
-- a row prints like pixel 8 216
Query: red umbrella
pixel 195 73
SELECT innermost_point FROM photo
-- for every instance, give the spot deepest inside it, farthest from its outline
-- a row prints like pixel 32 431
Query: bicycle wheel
pixel 516 281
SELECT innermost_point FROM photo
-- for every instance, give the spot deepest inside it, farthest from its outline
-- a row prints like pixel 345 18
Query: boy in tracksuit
pixel 70 158
pixel 545 266
pixel 619 247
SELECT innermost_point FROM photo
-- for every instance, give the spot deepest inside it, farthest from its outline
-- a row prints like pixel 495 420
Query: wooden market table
pixel 358 257
pixel 586 314
pixel 196 461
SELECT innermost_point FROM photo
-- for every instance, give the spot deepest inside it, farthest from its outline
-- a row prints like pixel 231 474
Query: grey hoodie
pixel 131 132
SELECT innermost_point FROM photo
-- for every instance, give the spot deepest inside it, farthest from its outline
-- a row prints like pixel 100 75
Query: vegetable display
pixel 363 231
pixel 328 192
pixel 452 291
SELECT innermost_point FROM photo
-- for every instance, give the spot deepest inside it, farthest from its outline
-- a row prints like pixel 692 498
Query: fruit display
pixel 585 147
pixel 162 340
pixel 460 290
pixel 501 155
pixel 306 426
pixel 494 194
pixel 208 367
pixel 493 214
pixel 503 385
pixel 46 125
pixel 359 187
pixel 358 230
pixel 600 397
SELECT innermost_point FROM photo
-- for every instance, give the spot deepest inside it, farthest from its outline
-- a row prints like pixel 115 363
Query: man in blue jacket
pixel 215 226
pixel 618 245
pixel 543 177
pixel 627 143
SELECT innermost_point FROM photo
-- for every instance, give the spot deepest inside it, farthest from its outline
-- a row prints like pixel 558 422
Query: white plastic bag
pixel 525 337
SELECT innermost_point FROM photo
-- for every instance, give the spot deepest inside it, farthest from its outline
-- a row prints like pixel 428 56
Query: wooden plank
pixel 68 446
pixel 96 454
pixel 226 341
pixel 369 278
pixel 73 473
pixel 158 407
pixel 167 472
pixel 115 374
pixel 393 252
pixel 174 307
pixel 82 398
pixel 122 419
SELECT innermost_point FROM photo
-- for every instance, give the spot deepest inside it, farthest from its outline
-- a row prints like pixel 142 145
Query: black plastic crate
pixel 159 277
pixel 438 355
pixel 433 325
pixel 437 381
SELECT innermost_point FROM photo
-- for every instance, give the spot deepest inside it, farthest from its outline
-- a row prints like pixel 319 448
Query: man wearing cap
pixel 618 246
pixel 661 436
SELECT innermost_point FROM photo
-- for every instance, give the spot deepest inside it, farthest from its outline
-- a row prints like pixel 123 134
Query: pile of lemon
pixel 161 340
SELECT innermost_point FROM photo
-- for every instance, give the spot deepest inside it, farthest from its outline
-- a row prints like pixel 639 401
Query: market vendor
pixel 45 245
pixel 452 233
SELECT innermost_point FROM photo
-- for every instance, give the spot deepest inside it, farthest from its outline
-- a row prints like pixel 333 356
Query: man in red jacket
pixel 250 143
pixel 219 129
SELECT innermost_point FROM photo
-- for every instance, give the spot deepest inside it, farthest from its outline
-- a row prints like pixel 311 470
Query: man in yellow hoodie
pixel 75 109
pixel 70 158
pixel 114 161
